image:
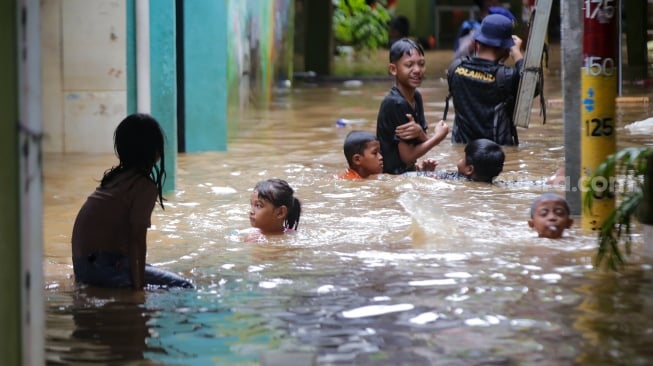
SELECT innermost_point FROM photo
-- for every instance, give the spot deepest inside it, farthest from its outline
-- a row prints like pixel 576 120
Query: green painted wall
pixel 260 41
pixel 163 80
pixel 420 15
pixel 10 314
pixel 205 75
pixel 162 76
pixel 234 53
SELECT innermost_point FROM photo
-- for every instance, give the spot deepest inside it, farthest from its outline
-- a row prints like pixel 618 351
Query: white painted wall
pixel 84 73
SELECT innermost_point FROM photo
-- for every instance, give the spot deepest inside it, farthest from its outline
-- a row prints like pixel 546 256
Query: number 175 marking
pixel 603 7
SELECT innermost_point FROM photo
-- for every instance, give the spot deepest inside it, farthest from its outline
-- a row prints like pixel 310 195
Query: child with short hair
pixel 363 153
pixel 482 162
pixel 550 215
pixel 401 125
pixel 274 210
pixel 109 235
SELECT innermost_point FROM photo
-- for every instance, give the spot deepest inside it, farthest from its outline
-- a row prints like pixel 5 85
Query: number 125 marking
pixel 602 127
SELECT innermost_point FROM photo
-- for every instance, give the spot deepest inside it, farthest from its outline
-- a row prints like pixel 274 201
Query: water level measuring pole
pixel 598 92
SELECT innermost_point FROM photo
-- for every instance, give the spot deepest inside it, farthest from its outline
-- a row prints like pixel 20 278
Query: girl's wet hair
pixel 138 141
pixel 549 196
pixel 356 143
pixel 404 46
pixel 279 193
pixel 487 157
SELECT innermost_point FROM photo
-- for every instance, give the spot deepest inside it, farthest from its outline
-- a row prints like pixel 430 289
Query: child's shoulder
pixel 349 174
pixel 131 181
pixel 394 97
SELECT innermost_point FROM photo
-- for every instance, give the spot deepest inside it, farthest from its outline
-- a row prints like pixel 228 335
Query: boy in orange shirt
pixel 363 154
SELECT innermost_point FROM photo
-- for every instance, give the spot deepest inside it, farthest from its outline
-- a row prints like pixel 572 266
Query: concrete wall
pixel 85 85
pixel 84 78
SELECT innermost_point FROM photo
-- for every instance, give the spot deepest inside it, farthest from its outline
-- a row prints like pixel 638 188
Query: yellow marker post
pixel 598 96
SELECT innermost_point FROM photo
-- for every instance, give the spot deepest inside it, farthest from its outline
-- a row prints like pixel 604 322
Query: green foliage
pixel 359 25
pixel 629 163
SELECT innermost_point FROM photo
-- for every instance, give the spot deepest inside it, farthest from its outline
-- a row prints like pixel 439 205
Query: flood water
pixel 391 271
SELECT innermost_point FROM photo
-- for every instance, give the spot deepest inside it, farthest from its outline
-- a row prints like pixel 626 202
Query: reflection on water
pixel 97 325
pixel 397 270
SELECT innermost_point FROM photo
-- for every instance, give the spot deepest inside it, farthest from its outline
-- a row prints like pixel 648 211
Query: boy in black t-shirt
pixel 401 125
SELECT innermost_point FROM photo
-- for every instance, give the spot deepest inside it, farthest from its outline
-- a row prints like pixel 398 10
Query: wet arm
pixel 411 130
pixel 410 153
pixel 137 250
pixel 515 50
pixel 143 203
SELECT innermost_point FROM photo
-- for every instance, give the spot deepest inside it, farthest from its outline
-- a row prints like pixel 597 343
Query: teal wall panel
pixel 163 79
pixel 131 57
pixel 205 75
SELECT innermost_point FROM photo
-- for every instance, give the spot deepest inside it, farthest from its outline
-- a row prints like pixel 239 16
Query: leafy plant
pixel 635 192
pixel 362 26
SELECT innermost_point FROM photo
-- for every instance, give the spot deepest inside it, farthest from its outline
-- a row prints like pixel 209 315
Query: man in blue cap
pixel 464 42
pixel 484 90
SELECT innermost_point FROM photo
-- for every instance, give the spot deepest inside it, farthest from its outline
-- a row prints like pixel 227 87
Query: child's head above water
pixel 483 160
pixel 404 46
pixel 363 153
pixel 407 65
pixel 138 142
pixel 550 215
pixel 274 208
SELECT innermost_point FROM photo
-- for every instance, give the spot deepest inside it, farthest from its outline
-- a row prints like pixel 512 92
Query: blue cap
pixel 496 31
pixel 502 11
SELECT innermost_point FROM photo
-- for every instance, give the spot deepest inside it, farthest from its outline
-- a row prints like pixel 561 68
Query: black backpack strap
pixel 446 107
pixel 450 71
pixel 501 77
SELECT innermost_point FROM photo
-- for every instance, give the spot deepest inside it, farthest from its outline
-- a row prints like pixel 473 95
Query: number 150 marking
pixel 595 66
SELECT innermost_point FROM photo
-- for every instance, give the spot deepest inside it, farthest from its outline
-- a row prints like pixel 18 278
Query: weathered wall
pixel 84 46
pixel 84 79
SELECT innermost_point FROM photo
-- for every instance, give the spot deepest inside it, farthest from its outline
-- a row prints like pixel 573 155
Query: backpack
pixel 450 70
pixel 504 130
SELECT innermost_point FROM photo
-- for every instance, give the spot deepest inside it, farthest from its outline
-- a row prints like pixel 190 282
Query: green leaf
pixel 630 164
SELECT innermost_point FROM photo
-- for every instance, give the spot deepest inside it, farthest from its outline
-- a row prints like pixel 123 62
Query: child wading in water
pixel 401 124
pixel 109 236
pixel 550 216
pixel 482 162
pixel 363 153
pixel 274 209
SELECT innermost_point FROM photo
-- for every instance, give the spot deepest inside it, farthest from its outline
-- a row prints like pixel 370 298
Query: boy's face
pixel 550 218
pixel 409 70
pixel 371 161
pixel 464 168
